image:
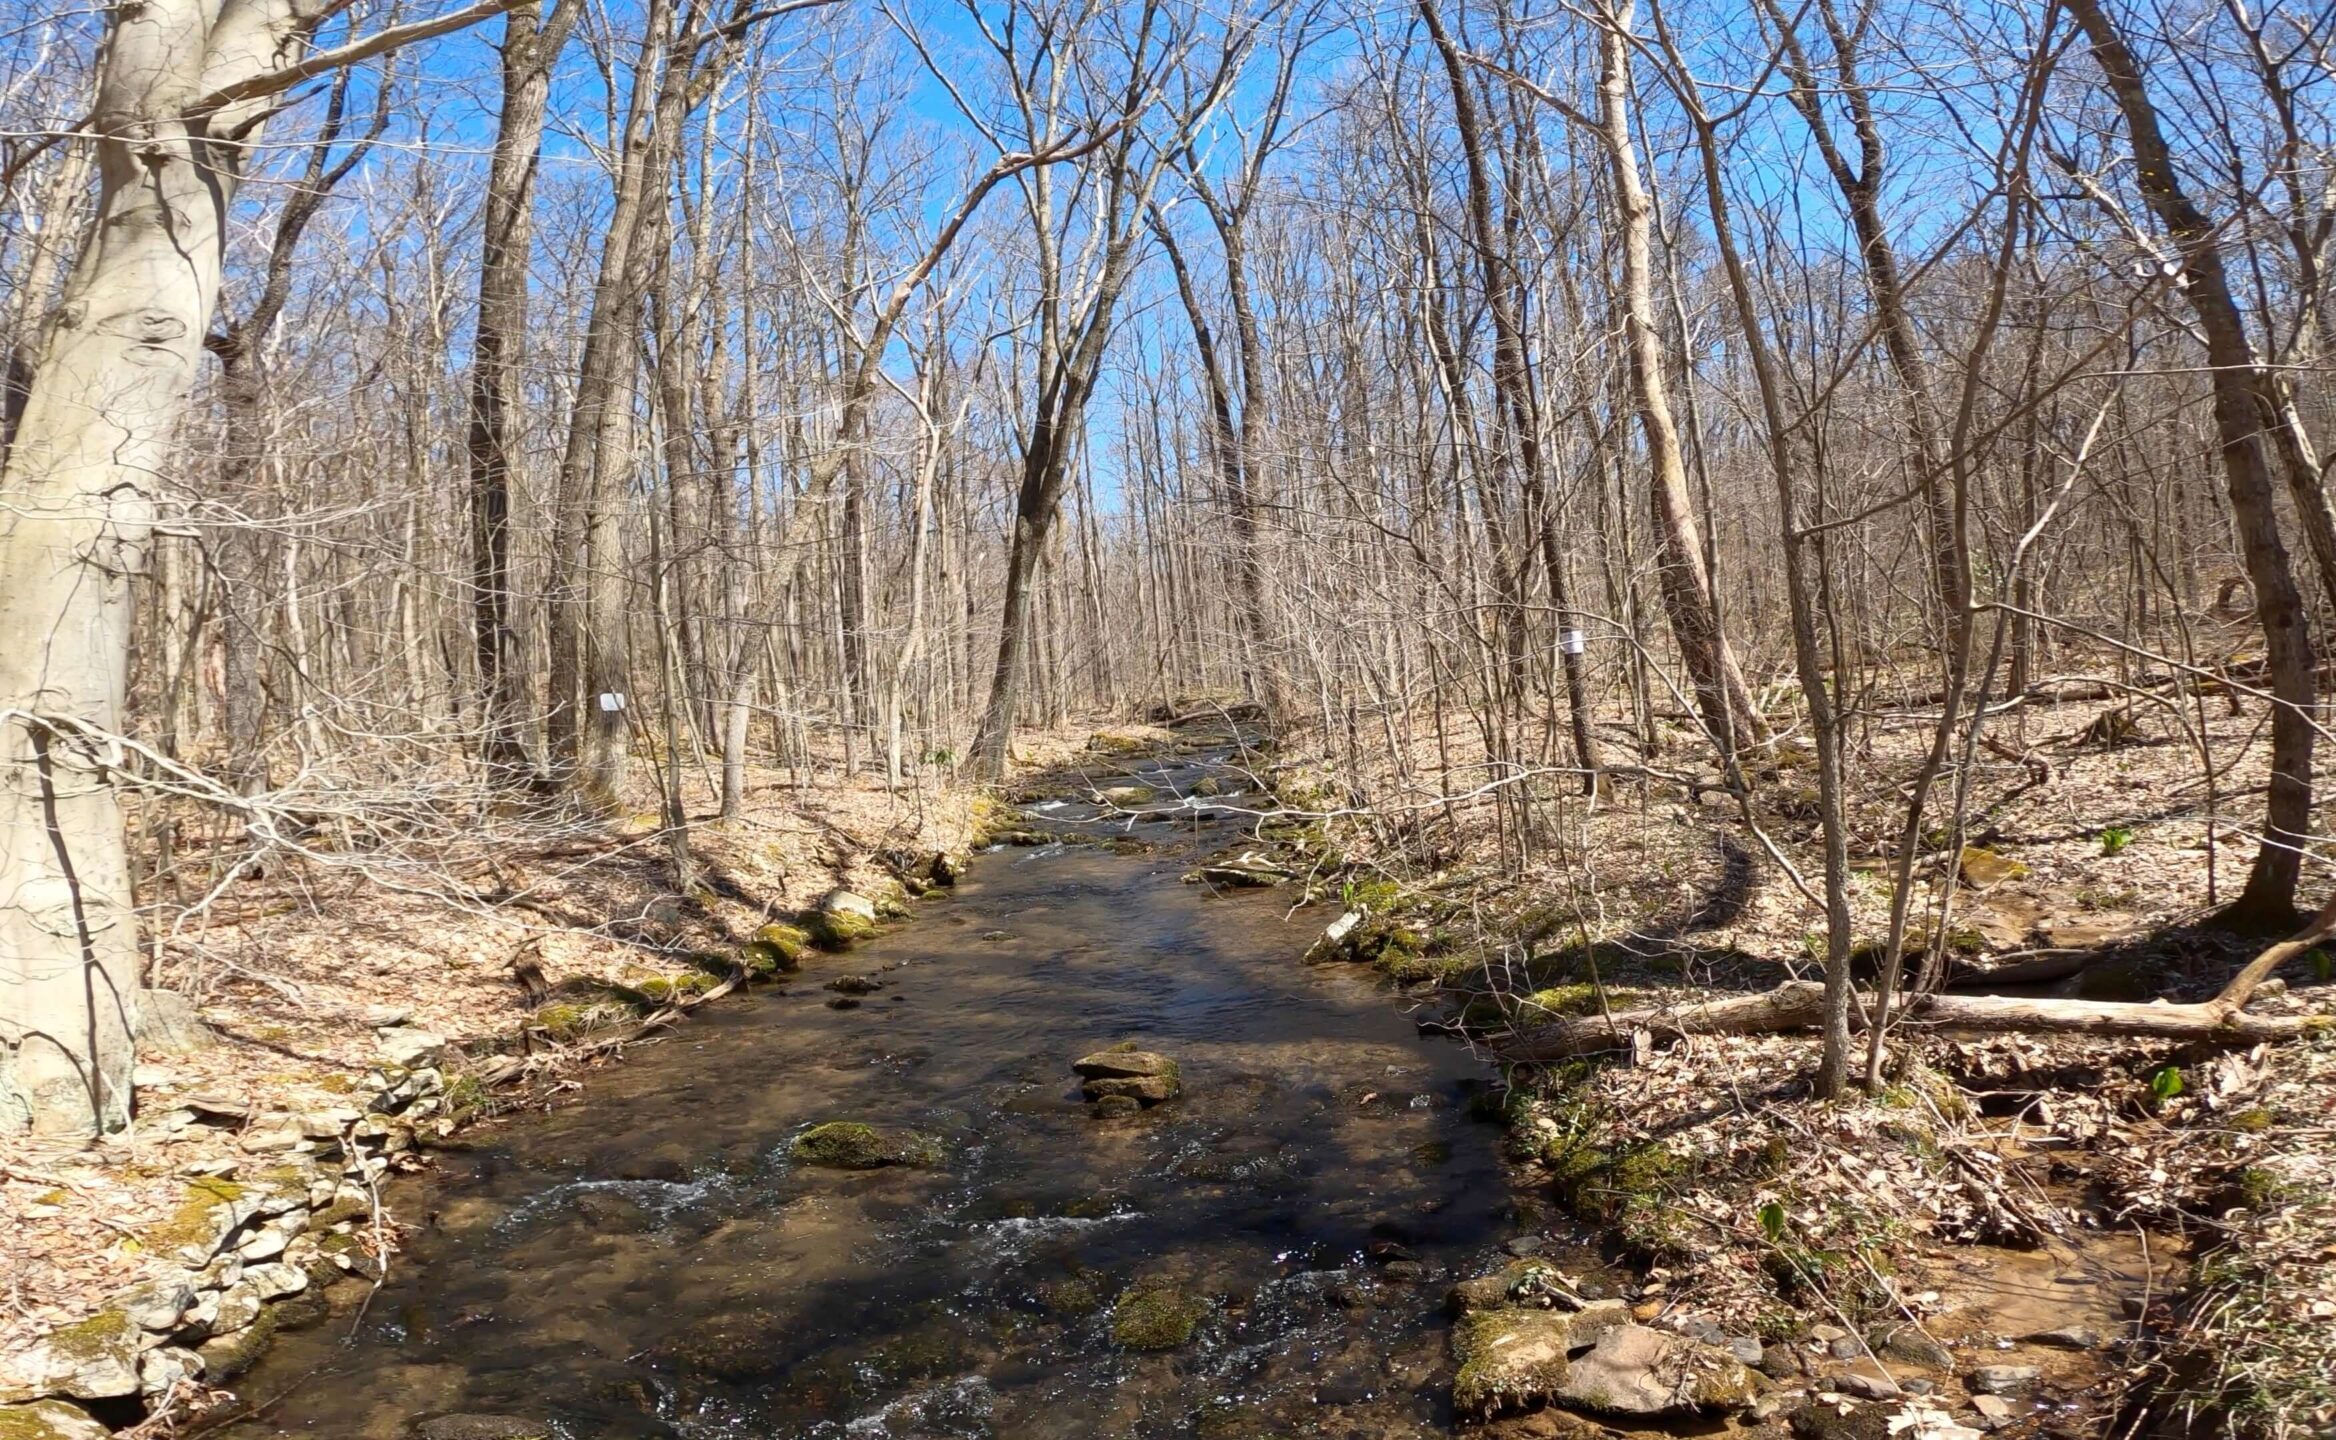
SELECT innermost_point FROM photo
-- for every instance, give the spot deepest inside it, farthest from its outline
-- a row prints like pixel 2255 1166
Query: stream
pixel 652 1261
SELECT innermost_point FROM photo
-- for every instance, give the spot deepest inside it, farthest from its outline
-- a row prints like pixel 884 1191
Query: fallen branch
pixel 1800 1005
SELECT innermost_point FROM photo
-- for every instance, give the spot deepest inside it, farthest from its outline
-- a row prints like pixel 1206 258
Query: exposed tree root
pixel 1799 1005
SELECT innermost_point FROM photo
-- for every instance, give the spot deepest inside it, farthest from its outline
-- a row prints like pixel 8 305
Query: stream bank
pixel 880 1197
pixel 883 1198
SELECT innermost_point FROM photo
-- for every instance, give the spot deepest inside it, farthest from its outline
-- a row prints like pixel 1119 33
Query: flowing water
pixel 650 1261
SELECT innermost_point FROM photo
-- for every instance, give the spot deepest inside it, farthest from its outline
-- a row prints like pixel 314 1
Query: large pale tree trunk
pixel 77 506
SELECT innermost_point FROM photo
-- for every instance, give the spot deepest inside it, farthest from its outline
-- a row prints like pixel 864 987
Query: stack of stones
pixel 1123 1079
pixel 255 1243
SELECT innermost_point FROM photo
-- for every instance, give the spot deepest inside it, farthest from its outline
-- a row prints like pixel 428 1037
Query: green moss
pixel 231 1355
pixel 659 991
pixel 2253 1122
pixel 42 1420
pixel 1156 1313
pixel 1071 1295
pixel 850 1145
pixel 778 949
pixel 2259 1188
pixel 107 1333
pixel 565 1020
pixel 464 1094
pixel 837 929
pixel 1602 1187
pixel 194 1220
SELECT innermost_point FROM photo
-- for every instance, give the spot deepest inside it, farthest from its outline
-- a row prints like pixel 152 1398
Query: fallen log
pixel 1800 1005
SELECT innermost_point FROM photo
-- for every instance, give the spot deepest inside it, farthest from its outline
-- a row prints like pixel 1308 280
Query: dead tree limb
pixel 1799 1005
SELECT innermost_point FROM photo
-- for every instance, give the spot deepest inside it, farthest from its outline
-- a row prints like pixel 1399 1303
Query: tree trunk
pixel 531 45
pixel 1721 693
pixel 76 496
pixel 1513 379
pixel 2246 416
pixel 589 738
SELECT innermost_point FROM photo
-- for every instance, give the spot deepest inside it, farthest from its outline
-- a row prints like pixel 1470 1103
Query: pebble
pixel 1750 1352
pixel 1993 1408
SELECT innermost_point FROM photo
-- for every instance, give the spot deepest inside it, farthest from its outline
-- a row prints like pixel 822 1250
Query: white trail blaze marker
pixel 1570 641
pixel 612 700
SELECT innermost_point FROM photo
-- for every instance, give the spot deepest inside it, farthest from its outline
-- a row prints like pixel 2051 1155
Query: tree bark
pixel 531 45
pixel 1513 380
pixel 76 517
pixel 589 738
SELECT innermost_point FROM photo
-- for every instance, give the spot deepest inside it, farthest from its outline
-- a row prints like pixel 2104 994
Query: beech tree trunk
pixel 76 515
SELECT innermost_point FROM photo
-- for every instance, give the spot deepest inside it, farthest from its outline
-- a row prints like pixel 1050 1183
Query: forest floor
pixel 2129 1218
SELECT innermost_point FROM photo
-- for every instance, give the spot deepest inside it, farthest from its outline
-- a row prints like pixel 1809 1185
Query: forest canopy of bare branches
pixel 422 418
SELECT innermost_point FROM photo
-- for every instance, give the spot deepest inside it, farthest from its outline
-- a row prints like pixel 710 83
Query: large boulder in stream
pixel 1124 1072
pixel 850 1145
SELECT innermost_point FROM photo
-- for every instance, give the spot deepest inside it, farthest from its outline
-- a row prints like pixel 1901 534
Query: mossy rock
pixel 1600 1187
pixel 201 1220
pixel 1518 1282
pixel 777 949
pixel 837 929
pixel 1071 1295
pixel 1511 1359
pixel 1116 742
pixel 568 1019
pixel 850 1145
pixel 49 1420
pixel 1157 1313
pixel 227 1356
pixel 658 991
pixel 1982 868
